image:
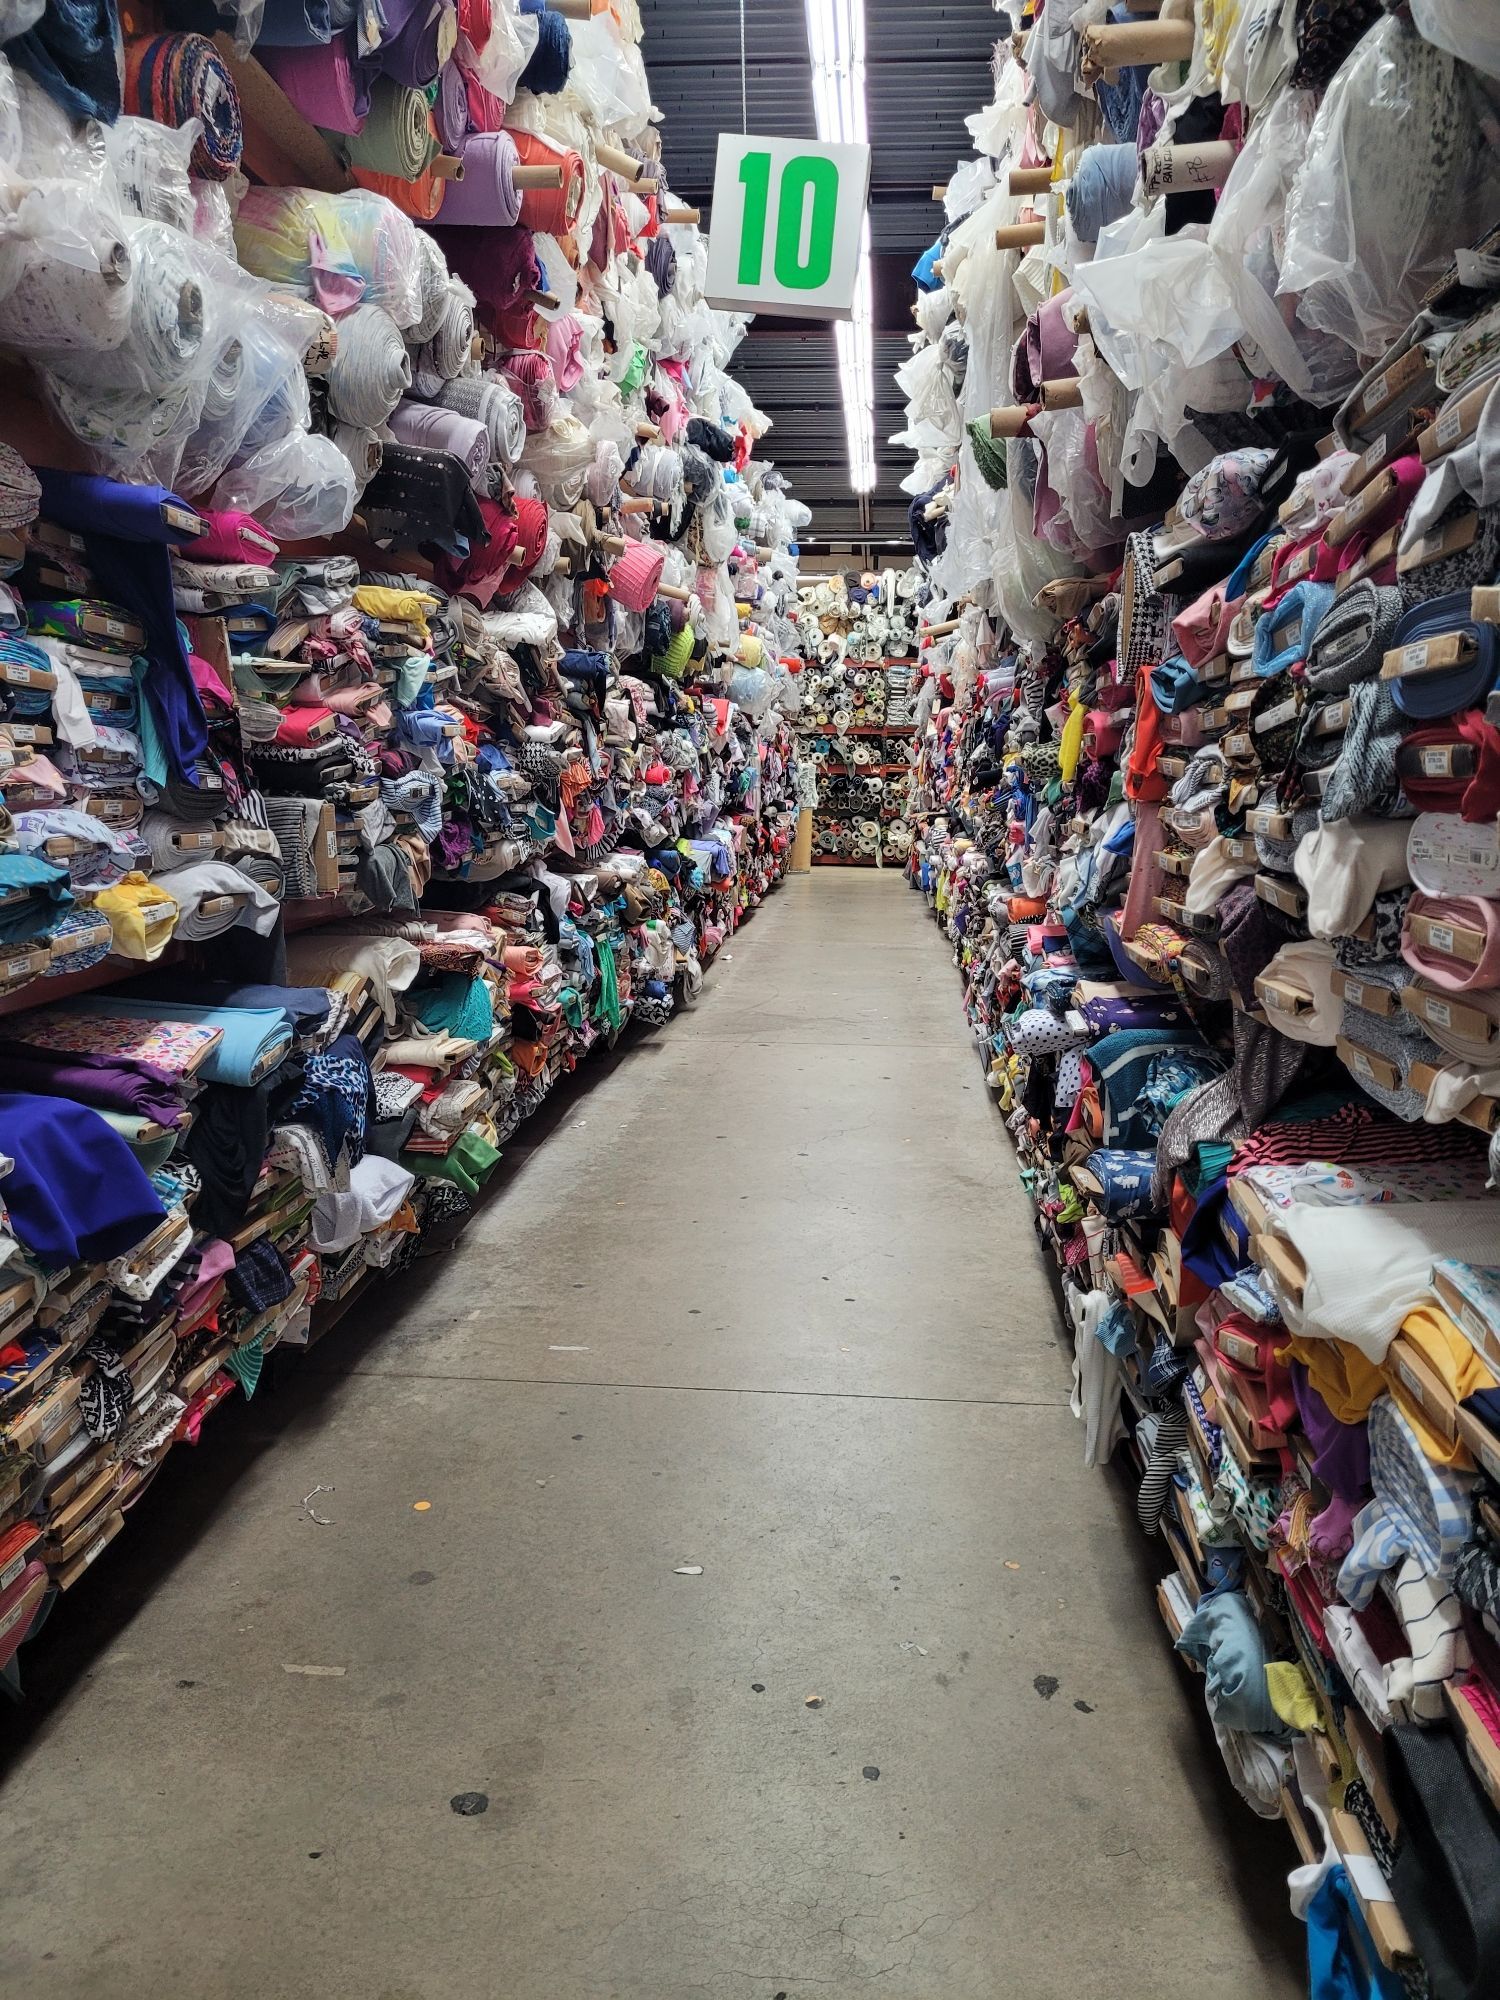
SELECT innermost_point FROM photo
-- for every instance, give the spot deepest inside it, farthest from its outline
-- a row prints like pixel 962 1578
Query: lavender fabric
pixel 487 197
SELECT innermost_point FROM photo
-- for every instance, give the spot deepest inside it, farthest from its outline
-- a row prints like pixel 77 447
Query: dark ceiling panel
pixel 927 69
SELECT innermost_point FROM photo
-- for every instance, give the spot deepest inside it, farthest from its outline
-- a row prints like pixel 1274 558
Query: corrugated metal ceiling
pixel 928 68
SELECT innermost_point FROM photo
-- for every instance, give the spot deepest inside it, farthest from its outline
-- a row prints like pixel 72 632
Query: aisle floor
pixel 763 1301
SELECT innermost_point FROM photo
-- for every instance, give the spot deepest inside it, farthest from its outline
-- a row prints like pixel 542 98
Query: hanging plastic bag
pixel 1470 32
pixel 1398 173
pixel 301 488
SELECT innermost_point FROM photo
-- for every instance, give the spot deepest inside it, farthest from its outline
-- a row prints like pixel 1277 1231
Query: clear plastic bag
pixel 340 250
pixel 1398 173
pixel 1470 32
pixel 256 394
pixel 301 488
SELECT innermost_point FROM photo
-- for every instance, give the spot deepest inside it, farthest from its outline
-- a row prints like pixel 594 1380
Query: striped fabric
pixel 1420 1511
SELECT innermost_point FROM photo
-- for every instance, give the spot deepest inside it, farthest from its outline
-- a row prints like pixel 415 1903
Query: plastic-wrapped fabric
pixel 340 250
pixel 1397 170
pixel 371 371
pixel 447 350
pixel 301 488
pixel 16 16
pixel 256 390
pixel 174 78
pixel 492 402
pixel 1468 32
pixel 168 326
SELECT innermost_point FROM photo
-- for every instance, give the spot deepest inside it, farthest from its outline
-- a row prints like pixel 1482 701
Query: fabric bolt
pixel 174 78
pixel 1352 637
pixel 1344 865
pixel 321 80
pixel 1449 689
pixel 74 1192
pixel 1441 962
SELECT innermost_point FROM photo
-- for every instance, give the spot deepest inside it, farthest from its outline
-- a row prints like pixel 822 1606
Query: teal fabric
pixel 458 1005
pixel 247 1034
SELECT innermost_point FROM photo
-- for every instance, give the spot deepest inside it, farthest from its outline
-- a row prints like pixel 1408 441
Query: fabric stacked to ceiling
pixel 1205 399
pixel 859 633
pixel 392 705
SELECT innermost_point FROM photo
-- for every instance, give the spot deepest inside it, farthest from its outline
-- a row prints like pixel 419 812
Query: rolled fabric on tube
pixel 448 350
pixel 487 196
pixel 434 290
pixel 166 328
pixel 551 211
pixel 397 136
pixel 371 371
pixel 173 78
pixel 362 448
pixel 421 199
pixel 494 404
pixel 444 430
pixel 321 82
pixel 419 39
pixel 450 110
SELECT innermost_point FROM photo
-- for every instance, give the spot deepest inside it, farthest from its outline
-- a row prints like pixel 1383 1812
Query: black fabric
pixel 423 495
pixel 1446 1879
pixel 227 1145
pixel 260 1278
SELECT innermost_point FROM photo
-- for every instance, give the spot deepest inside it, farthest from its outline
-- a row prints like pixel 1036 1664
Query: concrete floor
pixel 763 1299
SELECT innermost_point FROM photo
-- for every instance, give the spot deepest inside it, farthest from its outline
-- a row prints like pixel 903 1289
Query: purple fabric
pixel 104 1083
pixel 1341 1452
pixel 323 83
pixel 418 41
pixel 1144 1010
pixel 1045 350
pixel 451 111
pixel 487 196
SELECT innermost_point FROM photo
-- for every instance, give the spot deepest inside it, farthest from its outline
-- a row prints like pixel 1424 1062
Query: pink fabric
pixel 234 537
pixel 635 575
pixel 321 82
pixel 565 350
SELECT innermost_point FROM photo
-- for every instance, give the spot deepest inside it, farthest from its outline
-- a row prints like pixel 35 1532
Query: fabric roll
pixel 251 1039
pixel 321 81
pixel 166 327
pixel 448 349
pixel 418 40
pixel 1443 1879
pixel 396 136
pixel 490 400
pixel 371 371
pixel 74 52
pixel 450 110
pixel 209 881
pixel 1344 866
pixel 636 574
pixel 1352 637
pixel 1440 962
pixel 173 78
pixel 1443 693
pixel 74 1191
pixel 424 493
pixel 295 24
pixel 444 430
pixel 363 449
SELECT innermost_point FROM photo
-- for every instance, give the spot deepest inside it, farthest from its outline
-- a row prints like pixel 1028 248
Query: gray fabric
pixel 1352 638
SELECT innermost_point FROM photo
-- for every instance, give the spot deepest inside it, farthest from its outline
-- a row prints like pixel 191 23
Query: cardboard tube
pixel 682 215
pixel 1020 235
pixel 1127 44
pixel 447 168
pixel 940 631
pixel 563 566
pixel 613 545
pixel 1175 169
pixel 573 10
pixel 646 186
pixel 538 177
pixel 636 506
pixel 1030 180
pixel 673 592
pixel 1065 393
pixel 626 165
pixel 1010 420
pixel 647 434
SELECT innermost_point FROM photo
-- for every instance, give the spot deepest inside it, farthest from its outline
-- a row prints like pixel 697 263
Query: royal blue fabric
pixel 76 1194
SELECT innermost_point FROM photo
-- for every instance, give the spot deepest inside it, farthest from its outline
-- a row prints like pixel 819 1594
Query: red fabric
pixel 1142 779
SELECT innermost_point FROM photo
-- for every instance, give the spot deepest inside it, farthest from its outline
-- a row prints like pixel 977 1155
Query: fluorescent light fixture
pixel 836 44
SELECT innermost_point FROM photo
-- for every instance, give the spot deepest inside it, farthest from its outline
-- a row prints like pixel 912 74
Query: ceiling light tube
pixel 836 45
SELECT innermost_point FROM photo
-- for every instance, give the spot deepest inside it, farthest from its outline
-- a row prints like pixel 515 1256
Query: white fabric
pixel 1368 1267
pixel 1097 1381
pixel 377 1188
pixel 319 958
pixel 1343 865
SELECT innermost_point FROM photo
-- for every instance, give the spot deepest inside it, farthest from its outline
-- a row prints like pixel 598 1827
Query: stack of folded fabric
pixel 1206 801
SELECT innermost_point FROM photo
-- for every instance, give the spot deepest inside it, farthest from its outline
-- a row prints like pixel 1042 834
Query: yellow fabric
pixel 395 607
pixel 1346 1380
pixel 1070 745
pixel 1451 1357
pixel 1291 1696
pixel 142 916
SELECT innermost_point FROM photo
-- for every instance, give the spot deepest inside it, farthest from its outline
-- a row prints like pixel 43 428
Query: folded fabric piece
pixel 106 1083
pixel 1352 637
pixel 377 1188
pixel 201 885
pixel 1343 866
pixel 1367 1268
pixel 1125 1182
pixel 1444 1881
pixel 227 1145
pixel 74 1191
pixel 251 1040
pixel 1224 1637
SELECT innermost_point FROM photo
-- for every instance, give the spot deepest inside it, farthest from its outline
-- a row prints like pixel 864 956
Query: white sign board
pixel 788 221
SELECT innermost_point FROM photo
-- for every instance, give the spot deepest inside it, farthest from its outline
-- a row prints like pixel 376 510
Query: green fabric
pixel 468 1163
pixel 607 1007
pixel 410 676
pixel 674 661
pixel 245 1365
pixel 1208 1160
pixel 153 756
pixel 989 456
pixel 571 1002
pixel 458 1005
pixel 635 374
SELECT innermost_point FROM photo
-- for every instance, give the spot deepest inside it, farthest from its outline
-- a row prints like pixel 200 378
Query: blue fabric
pixel 1122 1063
pixel 1204 1250
pixel 1428 696
pixel 74 52
pixel 131 565
pixel 1224 1638
pixel 76 1193
pixel 1300 612
pixel 1175 685
pixel 295 24
pixel 1342 1962
pixel 1239 576
pixel 305 1008
pixel 1125 1178
pixel 924 270
pixel 246 1034
pixel 1101 189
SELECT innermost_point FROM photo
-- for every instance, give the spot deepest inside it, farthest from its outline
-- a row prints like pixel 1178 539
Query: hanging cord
pixel 744 77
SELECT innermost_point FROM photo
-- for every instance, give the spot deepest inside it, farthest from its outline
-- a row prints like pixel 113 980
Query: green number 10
pixel 794 272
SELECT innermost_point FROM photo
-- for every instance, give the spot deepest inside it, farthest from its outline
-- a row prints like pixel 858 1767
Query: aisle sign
pixel 788 221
